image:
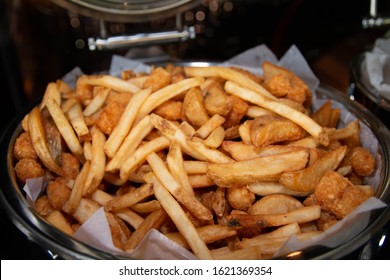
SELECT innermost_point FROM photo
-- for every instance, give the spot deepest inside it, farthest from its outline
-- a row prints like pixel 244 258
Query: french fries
pixel 226 164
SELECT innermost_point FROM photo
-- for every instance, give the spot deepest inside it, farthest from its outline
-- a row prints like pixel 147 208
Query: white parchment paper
pixel 375 68
pixel 156 246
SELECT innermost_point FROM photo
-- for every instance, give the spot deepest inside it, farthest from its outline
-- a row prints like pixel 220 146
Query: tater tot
pixel 58 193
pixel 28 169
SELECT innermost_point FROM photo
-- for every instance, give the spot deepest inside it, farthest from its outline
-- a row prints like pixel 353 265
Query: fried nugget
pixel 43 206
pixel 283 83
pixel 109 117
pixel 158 78
pixel 238 110
pixel 70 165
pixel 337 195
pixel 58 193
pixel 240 197
pixel 271 129
pixel 362 161
pixel 23 147
pixel 28 168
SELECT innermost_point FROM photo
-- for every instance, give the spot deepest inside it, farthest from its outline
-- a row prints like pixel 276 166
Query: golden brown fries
pixel 227 164
pixel 320 133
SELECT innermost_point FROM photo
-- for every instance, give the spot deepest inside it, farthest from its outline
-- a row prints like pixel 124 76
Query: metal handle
pixel 141 39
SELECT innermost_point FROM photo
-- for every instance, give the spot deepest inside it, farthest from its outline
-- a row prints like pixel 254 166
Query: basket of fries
pixel 196 161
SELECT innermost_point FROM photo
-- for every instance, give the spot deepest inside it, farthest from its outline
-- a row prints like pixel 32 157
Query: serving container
pixel 14 203
pixel 363 92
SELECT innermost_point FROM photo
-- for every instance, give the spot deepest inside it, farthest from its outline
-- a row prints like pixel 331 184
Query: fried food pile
pixel 226 163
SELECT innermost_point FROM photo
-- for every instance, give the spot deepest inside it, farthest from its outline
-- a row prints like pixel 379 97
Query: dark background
pixel 40 42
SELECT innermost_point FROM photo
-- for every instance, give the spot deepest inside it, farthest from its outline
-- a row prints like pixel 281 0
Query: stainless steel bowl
pixel 361 91
pixel 13 201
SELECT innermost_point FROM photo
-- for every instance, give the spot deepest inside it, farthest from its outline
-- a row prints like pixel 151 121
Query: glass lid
pixel 129 10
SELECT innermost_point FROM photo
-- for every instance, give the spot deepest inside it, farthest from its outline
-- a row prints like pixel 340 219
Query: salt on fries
pixel 226 164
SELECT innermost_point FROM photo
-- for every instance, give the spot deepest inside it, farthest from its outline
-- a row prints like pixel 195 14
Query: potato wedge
pixel 247 171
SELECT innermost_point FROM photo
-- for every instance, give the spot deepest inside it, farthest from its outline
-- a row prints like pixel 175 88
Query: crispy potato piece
pixel 237 112
pixel 351 129
pixel 309 142
pixel 300 215
pixel 85 82
pixel 130 198
pixel 195 166
pixel 228 74
pixel 257 78
pixel 211 154
pixel 244 131
pixel 212 123
pixel 51 92
pixel 78 188
pixel 67 92
pixel 270 129
pixel 87 150
pixel 176 167
pixel 87 207
pixel 200 181
pixel 65 129
pixel 97 102
pixel 275 204
pixel 98 162
pixel 174 133
pixel 127 215
pixel 272 241
pixel 162 95
pixel 125 122
pixel 153 221
pixel 216 101
pixel 270 188
pixel 256 111
pixel 130 143
pixel 146 207
pixel 307 179
pixel 57 219
pixel 240 151
pixel 248 253
pixel 68 103
pixel 165 177
pixel 232 132
pixel 76 119
pixel 140 155
pixel 247 171
pixel 209 234
pixel 193 109
pixel 326 116
pixel 215 139
pixel 314 129
pixel 188 129
pixel 35 128
pixel 170 110
pixel 180 219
